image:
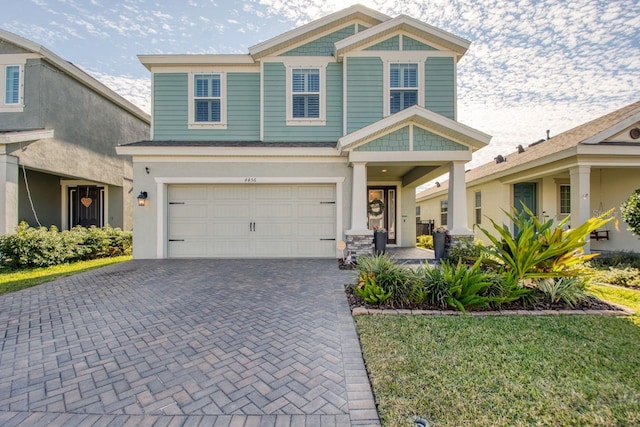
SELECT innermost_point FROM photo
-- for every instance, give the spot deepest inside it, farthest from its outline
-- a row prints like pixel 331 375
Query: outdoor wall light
pixel 142 198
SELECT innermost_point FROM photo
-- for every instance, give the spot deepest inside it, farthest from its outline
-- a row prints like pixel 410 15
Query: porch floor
pixel 411 255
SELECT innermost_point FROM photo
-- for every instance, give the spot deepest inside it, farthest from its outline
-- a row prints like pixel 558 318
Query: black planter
pixel 439 244
pixel 380 242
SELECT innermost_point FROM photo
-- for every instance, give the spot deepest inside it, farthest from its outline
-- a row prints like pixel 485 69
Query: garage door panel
pixel 187 192
pixel 232 220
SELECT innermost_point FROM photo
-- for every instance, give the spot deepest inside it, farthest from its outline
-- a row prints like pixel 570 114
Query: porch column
pixel 359 237
pixel 580 198
pixel 457 209
pixel 8 193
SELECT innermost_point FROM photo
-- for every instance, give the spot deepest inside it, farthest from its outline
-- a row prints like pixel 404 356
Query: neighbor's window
pixel 444 210
pixel 12 85
pixel 403 86
pixel 207 103
pixel 565 199
pixel 417 213
pixel 478 207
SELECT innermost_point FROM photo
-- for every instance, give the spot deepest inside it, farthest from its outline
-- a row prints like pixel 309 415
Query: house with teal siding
pixel 304 145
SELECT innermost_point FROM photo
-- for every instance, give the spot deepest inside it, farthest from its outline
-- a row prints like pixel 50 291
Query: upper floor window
pixel 305 95
pixel 207 101
pixel 305 89
pixel 11 88
pixel 403 86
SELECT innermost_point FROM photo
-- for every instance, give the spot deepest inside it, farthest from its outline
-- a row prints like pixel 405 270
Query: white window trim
pixel 18 107
pixel 387 87
pixel 320 121
pixel 222 124
pixel 560 213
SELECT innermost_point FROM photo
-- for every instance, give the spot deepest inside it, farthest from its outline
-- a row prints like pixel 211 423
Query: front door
pixel 382 210
pixel 525 193
pixel 86 206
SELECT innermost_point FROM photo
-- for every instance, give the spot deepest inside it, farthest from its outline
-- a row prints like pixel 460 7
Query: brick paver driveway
pixel 185 342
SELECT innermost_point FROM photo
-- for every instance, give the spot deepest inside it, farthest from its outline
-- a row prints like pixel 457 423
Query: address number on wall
pixel 251 180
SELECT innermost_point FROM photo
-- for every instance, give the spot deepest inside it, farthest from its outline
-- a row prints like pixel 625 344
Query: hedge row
pixel 42 246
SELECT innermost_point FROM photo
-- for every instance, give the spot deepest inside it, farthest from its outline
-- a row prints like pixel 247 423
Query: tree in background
pixel 631 212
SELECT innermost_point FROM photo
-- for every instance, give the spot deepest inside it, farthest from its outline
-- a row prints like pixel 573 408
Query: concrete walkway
pixel 185 342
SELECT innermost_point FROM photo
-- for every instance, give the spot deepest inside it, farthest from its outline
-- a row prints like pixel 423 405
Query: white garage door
pixel 226 220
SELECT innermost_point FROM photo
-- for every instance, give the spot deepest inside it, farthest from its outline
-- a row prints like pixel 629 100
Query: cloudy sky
pixel 533 65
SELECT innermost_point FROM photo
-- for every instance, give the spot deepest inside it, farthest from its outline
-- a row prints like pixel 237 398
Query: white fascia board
pixel 426 157
pixel 25 136
pixel 480 138
pixel 153 61
pixel 76 73
pixel 178 151
pixel 618 127
pixel 314 25
pixel 398 22
pixel 610 149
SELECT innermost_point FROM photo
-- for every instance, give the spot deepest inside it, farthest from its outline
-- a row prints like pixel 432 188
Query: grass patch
pixel 504 371
pixel 15 280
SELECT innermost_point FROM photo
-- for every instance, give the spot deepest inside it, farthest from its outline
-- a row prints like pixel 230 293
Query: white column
pixel 581 198
pixel 457 213
pixel 8 193
pixel 359 200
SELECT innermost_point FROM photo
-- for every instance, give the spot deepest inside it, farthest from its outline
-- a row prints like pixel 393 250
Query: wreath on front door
pixel 376 207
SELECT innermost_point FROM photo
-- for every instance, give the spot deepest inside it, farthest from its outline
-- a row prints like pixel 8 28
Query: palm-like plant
pixel 540 249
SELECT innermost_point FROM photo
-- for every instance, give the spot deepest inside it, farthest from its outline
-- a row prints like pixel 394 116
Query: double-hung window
pixel 478 207
pixel 305 92
pixel 403 86
pixel 207 104
pixel 565 199
pixel 444 212
pixel 11 87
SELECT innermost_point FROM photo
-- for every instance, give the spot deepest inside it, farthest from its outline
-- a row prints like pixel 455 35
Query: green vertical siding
pixel 170 121
pixel 322 46
pixel 364 92
pixel 390 44
pixel 394 141
pixel 440 86
pixel 423 140
pixel 275 128
pixel 411 44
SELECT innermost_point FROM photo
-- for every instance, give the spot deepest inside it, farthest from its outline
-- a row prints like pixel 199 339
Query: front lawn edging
pixel 622 311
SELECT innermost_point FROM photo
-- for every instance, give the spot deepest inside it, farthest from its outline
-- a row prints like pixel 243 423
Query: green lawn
pixel 506 371
pixel 15 280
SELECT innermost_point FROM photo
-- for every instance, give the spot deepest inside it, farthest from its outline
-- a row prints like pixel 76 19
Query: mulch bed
pixel 592 303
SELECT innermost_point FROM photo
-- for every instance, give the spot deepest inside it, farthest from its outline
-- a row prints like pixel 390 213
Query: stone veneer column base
pixel 359 244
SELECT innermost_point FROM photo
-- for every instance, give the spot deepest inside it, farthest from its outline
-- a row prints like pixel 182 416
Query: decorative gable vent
pixel 634 133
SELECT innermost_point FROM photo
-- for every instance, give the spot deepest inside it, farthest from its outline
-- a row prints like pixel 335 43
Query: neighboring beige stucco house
pixel 582 172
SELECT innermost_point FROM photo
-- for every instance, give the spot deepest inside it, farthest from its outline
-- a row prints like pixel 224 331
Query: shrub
pixel 467 285
pixel 431 284
pixel 370 292
pixel 390 276
pixel 425 241
pixel 631 212
pixel 540 249
pixel 570 290
pixel 627 277
pixel 465 251
pixel 42 246
pixel 617 259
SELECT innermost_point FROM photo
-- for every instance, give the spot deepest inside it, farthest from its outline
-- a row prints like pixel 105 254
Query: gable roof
pixel 412 26
pixel 316 27
pixel 75 73
pixel 434 122
pixel 562 145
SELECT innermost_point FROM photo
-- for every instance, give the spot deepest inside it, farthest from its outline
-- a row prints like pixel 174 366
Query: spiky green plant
pixel 540 249
pixel 370 292
pixel 467 285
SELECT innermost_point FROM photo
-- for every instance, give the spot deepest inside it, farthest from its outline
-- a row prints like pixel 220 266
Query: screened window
pixel 478 207
pixel 444 210
pixel 207 98
pixel 565 199
pixel 403 86
pixel 12 85
pixel 305 93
